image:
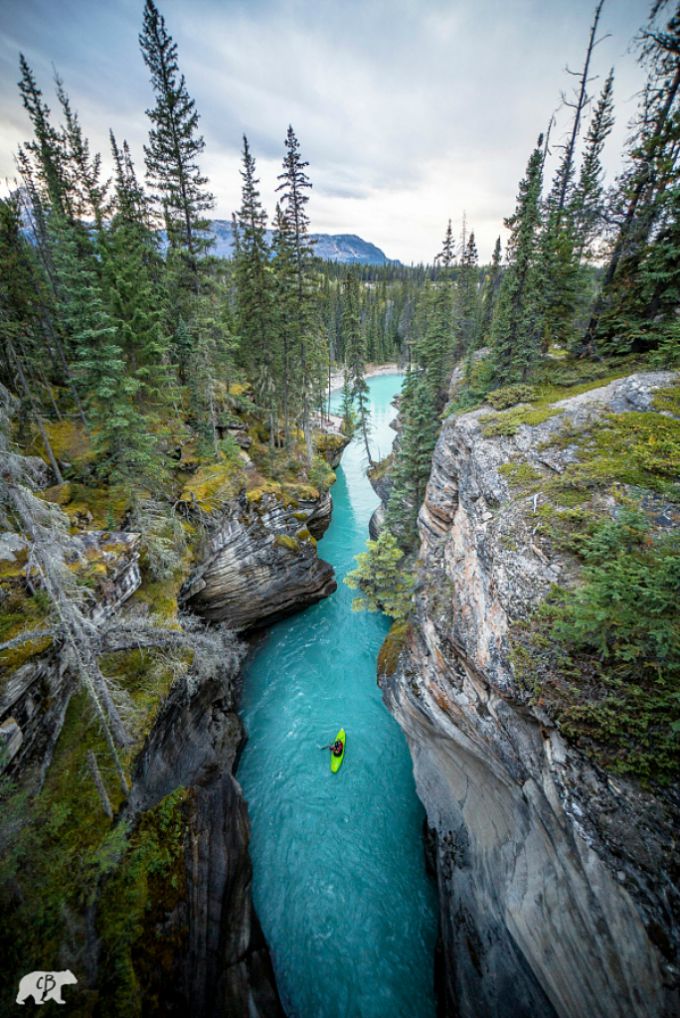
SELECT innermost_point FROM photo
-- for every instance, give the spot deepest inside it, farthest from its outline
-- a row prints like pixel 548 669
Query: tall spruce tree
pixel 296 285
pixel 87 190
pixel 44 155
pixel 174 148
pixel 413 459
pixel 121 442
pixel 467 298
pixel 132 277
pixel 588 200
pixel 253 277
pixel 286 325
pixel 492 284
pixel 515 337
pixel 632 305
pixel 355 356
pixel 447 255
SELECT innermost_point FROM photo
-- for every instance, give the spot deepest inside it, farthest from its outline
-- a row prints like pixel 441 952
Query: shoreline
pixel 391 368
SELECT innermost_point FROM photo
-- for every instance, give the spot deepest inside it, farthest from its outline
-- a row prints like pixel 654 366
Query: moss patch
pixel 509 422
pixel 392 646
pixel 70 443
pixel 520 474
pixel 638 449
pixel 668 400
pixel 285 541
pixel 96 508
pixel 213 485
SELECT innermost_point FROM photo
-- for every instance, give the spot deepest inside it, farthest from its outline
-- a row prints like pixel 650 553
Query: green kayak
pixel 336 761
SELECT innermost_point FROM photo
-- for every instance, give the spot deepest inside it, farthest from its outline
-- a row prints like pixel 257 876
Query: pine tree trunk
pixel 99 784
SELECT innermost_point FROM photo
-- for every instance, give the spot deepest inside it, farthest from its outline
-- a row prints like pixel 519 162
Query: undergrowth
pixel 604 659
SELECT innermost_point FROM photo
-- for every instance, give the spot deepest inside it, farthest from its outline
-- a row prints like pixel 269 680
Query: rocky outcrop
pixel 261 562
pixel 329 439
pixel 556 880
pixel 376 522
pixel 222 964
pixel 34 696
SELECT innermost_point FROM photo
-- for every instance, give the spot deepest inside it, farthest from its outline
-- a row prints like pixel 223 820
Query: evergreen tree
pixel 87 191
pixel 174 148
pixel 252 275
pixel 121 442
pixel 22 292
pixel 629 312
pixel 355 351
pixel 514 333
pixel 413 459
pixel 558 272
pixel 44 154
pixel 347 405
pixel 447 255
pixel 380 579
pixel 131 277
pixel 490 293
pixel 286 324
pixel 303 324
pixel 588 199
pixel 467 298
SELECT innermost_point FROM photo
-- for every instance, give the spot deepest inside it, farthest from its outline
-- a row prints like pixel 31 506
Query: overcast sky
pixel 409 111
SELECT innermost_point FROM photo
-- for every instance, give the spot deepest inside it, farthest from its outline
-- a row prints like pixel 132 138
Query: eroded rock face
pixel 556 881
pixel 223 964
pixel 34 697
pixel 261 563
pixel 329 439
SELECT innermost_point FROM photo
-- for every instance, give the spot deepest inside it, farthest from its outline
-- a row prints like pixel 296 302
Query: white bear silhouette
pixel 43 986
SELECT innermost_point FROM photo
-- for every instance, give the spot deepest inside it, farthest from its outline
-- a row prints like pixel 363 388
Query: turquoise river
pixel 339 873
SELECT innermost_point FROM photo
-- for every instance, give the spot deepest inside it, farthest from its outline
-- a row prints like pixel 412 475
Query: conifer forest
pixel 178 430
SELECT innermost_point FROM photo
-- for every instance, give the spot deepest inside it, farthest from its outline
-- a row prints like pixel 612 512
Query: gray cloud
pixel 408 113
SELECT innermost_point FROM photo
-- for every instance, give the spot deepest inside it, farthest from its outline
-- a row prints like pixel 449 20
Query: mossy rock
pixel 509 422
pixel 667 400
pixel 98 508
pixel 288 542
pixel 21 612
pixel 638 449
pixel 70 443
pixel 213 485
pixel 381 469
pixel 305 536
pixel 520 474
pixel 141 943
pixel 392 646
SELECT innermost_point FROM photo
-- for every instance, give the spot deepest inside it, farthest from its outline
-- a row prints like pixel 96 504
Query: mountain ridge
pixel 346 248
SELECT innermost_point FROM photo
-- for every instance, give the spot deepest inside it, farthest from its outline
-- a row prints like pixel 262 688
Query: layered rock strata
pixel 557 885
pixel 261 563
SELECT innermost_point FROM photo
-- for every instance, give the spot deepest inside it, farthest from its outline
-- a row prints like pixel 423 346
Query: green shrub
pixel 605 658
pixel 509 395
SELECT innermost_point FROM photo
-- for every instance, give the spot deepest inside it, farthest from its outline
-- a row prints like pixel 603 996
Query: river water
pixel 339 877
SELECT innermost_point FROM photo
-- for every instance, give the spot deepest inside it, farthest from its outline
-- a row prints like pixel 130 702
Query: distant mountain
pixel 340 247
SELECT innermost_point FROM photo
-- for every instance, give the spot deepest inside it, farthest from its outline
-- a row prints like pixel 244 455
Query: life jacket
pixel 337 749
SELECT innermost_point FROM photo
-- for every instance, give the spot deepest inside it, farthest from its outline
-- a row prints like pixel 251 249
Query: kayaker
pixel 336 748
